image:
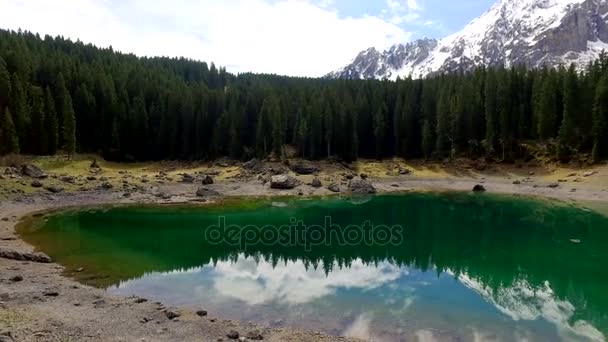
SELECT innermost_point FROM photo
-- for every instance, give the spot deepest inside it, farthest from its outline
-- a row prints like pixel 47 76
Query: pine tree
pixel 9 142
pixel 427 138
pixel 50 124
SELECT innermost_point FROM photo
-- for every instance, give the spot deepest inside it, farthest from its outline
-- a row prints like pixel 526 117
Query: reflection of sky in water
pixel 379 302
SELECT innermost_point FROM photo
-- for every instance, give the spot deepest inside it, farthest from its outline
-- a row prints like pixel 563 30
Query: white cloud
pixel 399 12
pixel 294 37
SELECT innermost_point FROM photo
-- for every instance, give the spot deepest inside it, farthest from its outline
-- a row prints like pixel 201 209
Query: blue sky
pixel 289 37
pixel 438 18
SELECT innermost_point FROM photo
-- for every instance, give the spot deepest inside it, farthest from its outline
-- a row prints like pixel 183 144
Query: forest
pixel 60 95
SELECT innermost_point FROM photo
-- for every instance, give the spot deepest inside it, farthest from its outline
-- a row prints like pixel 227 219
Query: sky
pixel 287 37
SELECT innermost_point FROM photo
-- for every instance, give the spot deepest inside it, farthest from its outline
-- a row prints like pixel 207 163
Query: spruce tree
pixel 490 93
pixel 36 132
pixel 5 86
pixel 50 124
pixel 600 120
pixel 380 129
pixel 69 126
pixel 9 142
pixel 21 111
pixel 567 129
pixel 547 109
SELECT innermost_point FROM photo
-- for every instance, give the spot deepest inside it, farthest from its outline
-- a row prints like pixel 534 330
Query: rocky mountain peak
pixel 511 32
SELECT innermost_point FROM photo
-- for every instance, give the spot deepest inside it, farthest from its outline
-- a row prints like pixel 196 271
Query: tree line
pixel 56 94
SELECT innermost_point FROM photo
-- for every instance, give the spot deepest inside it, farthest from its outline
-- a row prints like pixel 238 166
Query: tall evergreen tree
pixel 21 111
pixel 9 142
pixel 50 123
pixel 5 85
pixel 69 126
pixel 600 120
pixel 547 109
pixel 567 129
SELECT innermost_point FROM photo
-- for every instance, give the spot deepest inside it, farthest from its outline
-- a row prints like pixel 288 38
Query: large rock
pixel 333 188
pixel 283 182
pixel 33 171
pixel 316 183
pixel 205 192
pixel 24 256
pixel 207 180
pixel 54 189
pixel 304 168
pixel 479 188
pixel 361 186
pixel 253 165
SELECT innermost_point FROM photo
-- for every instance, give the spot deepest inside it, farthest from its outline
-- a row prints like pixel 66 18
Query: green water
pixel 464 267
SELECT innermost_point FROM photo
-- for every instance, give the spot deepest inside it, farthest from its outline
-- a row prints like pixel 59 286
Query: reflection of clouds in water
pixel 360 328
pixel 256 283
pixel 523 302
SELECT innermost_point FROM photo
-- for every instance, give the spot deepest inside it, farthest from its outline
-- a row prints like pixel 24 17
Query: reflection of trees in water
pixel 498 242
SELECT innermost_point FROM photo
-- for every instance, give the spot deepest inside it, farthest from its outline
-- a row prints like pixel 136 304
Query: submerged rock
pixel 283 182
pixel 361 187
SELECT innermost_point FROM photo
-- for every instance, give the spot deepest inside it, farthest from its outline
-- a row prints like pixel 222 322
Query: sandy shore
pixel 38 303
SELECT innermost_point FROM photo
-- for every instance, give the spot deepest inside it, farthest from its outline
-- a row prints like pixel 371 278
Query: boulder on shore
pixel 304 168
pixel 361 186
pixel 207 180
pixel 283 182
pixel 316 183
pixel 253 165
pixel 333 187
pixel 479 188
pixel 205 192
pixel 33 171
pixel 24 256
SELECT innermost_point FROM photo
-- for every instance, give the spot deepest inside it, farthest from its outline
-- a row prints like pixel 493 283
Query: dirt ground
pixel 38 303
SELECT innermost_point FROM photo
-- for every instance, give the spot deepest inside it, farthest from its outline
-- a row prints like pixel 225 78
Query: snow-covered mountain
pixel 512 32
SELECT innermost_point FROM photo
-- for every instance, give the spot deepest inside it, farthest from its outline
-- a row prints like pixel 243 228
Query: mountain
pixel 512 32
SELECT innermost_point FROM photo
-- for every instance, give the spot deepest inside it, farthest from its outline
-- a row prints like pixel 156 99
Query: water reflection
pixel 470 267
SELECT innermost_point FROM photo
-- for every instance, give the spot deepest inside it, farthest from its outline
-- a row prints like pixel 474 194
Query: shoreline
pixel 47 305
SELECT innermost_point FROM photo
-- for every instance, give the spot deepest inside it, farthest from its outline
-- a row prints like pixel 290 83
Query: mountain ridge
pixel 511 32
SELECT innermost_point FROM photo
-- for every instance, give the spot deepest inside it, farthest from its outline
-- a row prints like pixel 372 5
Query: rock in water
pixel 304 168
pixel 207 180
pixel 33 171
pixel 479 188
pixel 361 187
pixel 316 183
pixel 283 182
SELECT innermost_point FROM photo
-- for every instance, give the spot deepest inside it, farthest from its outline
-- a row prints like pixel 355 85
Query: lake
pixel 431 266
